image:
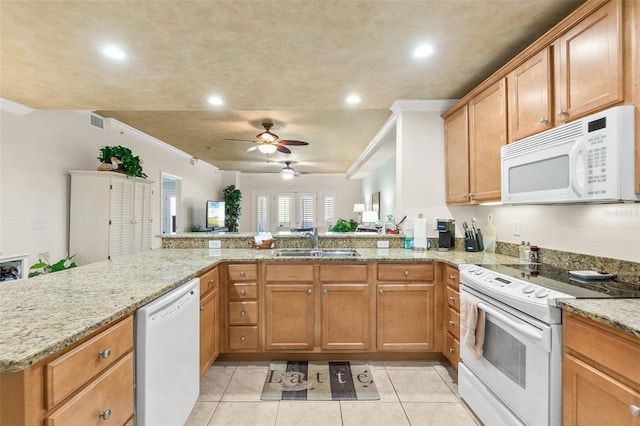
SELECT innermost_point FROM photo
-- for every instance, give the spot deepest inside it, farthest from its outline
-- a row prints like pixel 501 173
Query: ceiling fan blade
pixel 283 149
pixel 241 140
pixel 251 148
pixel 291 142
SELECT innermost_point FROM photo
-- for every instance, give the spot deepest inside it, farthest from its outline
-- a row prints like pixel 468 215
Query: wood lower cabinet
pixel 209 319
pixel 589 64
pixel 242 308
pixel 405 307
pixel 451 278
pixel 600 374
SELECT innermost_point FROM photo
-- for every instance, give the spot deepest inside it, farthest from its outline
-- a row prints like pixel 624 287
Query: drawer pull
pixel 406 273
pixel 381 291
pixel 242 273
pixel 242 292
pixel 201 308
pixel 325 291
pixel 635 410
pixel 242 338
pixel 105 354
pixel 452 277
pixel 452 299
pixel 309 291
pixel 242 313
pixel 104 415
pixel 210 282
pixel 451 350
pixel 452 322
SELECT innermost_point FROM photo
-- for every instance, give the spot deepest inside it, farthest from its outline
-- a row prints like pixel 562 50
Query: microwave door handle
pixel 578 167
pixel 524 329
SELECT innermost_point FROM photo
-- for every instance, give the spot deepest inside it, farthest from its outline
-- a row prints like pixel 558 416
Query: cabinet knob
pixel 451 350
pixel 104 415
pixel 543 120
pixel 309 291
pixel 242 273
pixel 325 291
pixel 562 112
pixel 635 410
pixel 242 313
pixel 210 282
pixel 452 299
pixel 452 277
pixel 105 354
pixel 242 292
pixel 451 322
pixel 381 291
pixel 242 338
pixel 201 308
pixel 406 273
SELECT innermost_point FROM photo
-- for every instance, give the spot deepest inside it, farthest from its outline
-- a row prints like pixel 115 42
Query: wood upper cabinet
pixel 589 63
pixel 209 319
pixel 456 133
pixel 530 103
pixel 289 307
pixel 487 133
pixel 405 309
pixel 600 374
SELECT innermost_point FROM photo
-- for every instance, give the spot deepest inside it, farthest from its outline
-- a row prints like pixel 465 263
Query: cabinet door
pixel 588 64
pixel 456 133
pixel 405 317
pixel 590 397
pixel 529 92
pixel 345 316
pixel 121 217
pixel 487 133
pixel 288 316
pixel 209 330
pixel 142 217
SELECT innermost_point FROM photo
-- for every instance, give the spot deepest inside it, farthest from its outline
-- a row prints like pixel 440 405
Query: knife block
pixel 474 244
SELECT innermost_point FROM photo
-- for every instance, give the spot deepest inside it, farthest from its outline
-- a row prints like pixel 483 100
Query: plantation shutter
pixel 284 203
pixel 306 210
pixel 262 213
pixel 328 210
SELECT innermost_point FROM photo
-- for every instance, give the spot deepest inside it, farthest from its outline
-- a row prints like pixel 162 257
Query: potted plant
pixel 45 267
pixel 232 197
pixel 120 159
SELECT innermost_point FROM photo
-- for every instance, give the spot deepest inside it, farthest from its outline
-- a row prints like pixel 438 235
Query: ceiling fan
pixel 289 172
pixel 268 142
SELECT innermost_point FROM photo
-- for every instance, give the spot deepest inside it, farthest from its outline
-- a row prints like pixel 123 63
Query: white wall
pixel 348 191
pixel 38 149
pixel 383 179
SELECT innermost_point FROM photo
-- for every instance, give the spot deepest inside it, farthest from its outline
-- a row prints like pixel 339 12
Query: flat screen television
pixel 215 214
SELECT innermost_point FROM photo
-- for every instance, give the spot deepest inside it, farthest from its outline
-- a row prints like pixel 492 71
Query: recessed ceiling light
pixel 353 99
pixel 423 51
pixel 113 52
pixel 215 100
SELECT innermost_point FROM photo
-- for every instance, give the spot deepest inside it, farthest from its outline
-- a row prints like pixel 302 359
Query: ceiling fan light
pixel 267 137
pixel 267 148
pixel 287 176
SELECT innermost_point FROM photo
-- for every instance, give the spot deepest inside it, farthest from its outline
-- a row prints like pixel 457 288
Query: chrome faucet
pixel 313 236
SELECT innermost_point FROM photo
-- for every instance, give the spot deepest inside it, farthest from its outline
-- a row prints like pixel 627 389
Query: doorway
pixel 171 203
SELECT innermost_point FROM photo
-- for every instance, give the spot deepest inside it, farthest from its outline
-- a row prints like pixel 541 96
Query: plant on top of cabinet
pixel 45 267
pixel 232 197
pixel 120 159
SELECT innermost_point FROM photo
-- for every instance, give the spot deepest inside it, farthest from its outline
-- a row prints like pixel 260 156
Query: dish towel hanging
pixel 472 324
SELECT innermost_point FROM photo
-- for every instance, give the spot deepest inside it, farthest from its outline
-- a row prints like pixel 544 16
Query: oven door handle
pixel 524 329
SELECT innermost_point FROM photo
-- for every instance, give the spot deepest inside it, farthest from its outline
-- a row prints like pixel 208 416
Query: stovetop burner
pixel 560 280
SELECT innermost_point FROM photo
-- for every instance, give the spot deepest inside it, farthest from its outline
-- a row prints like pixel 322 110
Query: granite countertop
pixel 43 315
pixel 621 314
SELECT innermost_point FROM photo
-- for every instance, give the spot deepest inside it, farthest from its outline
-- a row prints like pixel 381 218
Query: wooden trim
pixel 333 356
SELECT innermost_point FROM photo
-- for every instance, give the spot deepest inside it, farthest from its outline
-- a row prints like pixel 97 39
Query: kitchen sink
pixel 316 253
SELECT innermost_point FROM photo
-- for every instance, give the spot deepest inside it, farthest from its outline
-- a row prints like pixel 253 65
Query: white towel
pixel 471 324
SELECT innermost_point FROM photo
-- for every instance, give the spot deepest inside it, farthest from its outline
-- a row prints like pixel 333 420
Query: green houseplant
pixel 231 196
pixel 45 267
pixel 126 161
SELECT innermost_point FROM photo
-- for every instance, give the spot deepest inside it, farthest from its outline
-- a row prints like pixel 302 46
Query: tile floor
pixel 411 393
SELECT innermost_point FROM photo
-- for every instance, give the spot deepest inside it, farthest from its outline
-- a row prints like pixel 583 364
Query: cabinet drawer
pixel 72 370
pixel 617 354
pixel 208 281
pixel 343 273
pixel 112 391
pixel 293 273
pixel 452 277
pixel 405 272
pixel 243 291
pixel 243 272
pixel 243 338
pixel 242 313
pixel 453 323
pixel 452 350
pixel 453 299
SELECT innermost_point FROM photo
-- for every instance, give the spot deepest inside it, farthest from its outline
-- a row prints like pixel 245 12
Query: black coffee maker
pixel 447 234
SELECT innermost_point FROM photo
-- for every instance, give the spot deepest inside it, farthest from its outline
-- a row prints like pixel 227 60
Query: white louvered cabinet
pixel 109 215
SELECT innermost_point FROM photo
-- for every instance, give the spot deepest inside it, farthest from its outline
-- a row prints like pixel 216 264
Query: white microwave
pixel 588 160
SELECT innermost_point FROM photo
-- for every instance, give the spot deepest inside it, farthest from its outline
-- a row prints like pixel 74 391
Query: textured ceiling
pixel 293 62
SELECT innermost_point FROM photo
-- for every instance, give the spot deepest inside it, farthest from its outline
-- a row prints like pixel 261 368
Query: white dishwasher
pixel 167 357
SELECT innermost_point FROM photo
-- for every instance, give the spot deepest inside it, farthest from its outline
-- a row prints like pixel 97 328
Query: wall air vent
pixel 97 121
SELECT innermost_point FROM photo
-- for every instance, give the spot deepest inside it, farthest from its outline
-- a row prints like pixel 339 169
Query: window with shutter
pixel 262 213
pixel 306 210
pixel 284 204
pixel 328 210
